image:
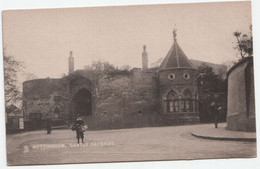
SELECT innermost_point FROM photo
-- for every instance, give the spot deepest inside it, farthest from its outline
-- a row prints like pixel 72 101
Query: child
pixel 78 126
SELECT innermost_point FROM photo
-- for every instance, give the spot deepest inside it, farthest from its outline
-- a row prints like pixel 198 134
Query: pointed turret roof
pixel 175 58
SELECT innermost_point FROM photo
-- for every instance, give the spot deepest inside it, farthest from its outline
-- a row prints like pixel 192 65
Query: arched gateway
pixel 81 97
pixel 82 103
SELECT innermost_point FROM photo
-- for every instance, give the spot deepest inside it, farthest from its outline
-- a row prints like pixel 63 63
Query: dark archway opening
pixel 82 103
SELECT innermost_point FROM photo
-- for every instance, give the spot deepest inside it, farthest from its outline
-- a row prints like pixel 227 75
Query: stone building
pixel 177 83
pixel 241 96
pixel 14 118
pixel 141 97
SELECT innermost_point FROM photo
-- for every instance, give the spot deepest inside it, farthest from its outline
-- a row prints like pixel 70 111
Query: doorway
pixel 82 103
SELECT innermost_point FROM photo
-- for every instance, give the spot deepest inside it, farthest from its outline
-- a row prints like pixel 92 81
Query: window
pixel 171 76
pixel 186 103
pixel 186 76
pixel 171 106
pixel 172 102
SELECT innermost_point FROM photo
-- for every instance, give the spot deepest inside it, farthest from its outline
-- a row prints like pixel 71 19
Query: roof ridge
pixel 177 56
pixel 185 56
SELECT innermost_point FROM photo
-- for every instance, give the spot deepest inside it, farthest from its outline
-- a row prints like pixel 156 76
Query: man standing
pixel 48 124
pixel 215 111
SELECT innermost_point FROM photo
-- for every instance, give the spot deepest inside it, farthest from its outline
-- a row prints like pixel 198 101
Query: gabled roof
pixel 12 109
pixel 175 58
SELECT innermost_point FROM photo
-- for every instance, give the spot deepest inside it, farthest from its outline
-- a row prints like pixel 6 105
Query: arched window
pixel 172 102
pixel 186 102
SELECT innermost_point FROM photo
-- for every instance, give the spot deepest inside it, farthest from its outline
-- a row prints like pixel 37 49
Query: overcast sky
pixel 43 38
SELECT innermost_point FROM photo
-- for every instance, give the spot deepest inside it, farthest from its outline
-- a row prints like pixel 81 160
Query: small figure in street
pixel 215 109
pixel 48 124
pixel 79 124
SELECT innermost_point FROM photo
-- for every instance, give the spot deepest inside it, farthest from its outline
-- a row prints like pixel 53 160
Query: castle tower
pixel 71 63
pixel 178 87
pixel 144 59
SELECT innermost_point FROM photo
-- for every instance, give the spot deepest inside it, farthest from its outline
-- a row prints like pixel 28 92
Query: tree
pixel 99 69
pixel 211 86
pixel 244 43
pixel 11 68
pixel 100 66
pixel 207 79
pixel 125 67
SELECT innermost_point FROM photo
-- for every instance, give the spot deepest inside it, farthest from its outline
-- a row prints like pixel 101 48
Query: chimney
pixel 71 63
pixel 144 59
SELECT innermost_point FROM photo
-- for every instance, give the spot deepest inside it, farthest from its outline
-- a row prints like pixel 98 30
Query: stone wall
pixel 125 100
pixel 241 103
pixel 117 99
pixel 41 97
pixel 127 94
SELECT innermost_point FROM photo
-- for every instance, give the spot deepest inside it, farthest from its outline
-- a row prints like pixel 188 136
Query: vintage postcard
pixel 129 83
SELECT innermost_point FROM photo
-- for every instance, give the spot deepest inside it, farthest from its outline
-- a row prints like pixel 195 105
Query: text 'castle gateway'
pixel 149 97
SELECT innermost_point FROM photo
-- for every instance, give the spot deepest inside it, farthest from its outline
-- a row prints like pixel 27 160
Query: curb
pixel 225 138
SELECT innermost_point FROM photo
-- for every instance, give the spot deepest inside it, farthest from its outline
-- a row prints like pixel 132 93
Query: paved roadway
pixel 139 144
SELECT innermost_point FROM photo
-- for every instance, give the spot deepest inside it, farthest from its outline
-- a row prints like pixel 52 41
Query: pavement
pixel 137 144
pixel 221 133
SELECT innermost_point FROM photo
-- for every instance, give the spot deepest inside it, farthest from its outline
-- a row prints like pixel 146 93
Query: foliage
pixel 211 87
pixel 244 43
pixel 11 68
pixel 229 63
pixel 119 72
pixel 30 76
pixel 208 81
pixel 63 75
pixel 125 67
pixel 100 68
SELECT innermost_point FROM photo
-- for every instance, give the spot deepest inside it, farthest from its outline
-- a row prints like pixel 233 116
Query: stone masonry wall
pixel 128 94
pixel 119 101
pixel 241 104
pixel 44 96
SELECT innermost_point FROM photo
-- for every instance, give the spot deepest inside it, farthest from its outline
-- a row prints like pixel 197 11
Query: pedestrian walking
pixel 48 124
pixel 215 109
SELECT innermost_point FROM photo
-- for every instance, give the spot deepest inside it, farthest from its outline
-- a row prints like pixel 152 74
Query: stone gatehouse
pixel 141 97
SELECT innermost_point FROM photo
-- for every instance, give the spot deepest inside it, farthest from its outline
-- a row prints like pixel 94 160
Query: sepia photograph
pixel 129 83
